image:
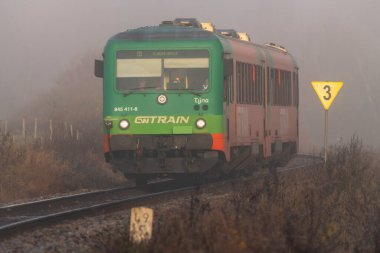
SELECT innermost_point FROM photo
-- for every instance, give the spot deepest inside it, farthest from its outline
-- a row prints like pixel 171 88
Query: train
pixel 183 98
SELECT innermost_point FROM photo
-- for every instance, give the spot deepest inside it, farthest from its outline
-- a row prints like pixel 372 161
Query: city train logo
pixel 162 120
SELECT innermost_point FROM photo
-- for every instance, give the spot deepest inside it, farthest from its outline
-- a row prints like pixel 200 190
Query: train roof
pixel 165 32
pixel 191 29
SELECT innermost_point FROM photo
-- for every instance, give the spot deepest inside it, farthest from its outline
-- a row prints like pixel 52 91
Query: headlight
pixel 200 123
pixel 124 124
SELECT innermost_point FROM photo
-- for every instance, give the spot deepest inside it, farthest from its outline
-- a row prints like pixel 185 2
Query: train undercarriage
pixel 147 157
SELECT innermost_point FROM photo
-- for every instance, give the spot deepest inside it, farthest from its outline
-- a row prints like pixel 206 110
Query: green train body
pixel 171 103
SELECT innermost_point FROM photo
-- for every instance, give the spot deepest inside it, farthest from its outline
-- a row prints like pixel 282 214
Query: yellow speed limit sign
pixel 327 91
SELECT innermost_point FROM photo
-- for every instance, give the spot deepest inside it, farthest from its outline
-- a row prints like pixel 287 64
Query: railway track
pixel 58 203
pixel 21 217
pixel 18 217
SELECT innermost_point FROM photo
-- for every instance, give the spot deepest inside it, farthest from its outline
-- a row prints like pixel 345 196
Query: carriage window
pixel 186 73
pixel 138 68
pixel 249 83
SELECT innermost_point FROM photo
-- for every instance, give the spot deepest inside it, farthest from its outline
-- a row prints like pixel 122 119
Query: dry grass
pixel 332 209
pixel 34 169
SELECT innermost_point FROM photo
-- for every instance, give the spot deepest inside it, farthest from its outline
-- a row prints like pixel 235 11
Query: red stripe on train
pixel 217 142
pixel 106 146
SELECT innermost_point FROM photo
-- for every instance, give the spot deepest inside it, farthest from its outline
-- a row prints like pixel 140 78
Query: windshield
pixel 162 70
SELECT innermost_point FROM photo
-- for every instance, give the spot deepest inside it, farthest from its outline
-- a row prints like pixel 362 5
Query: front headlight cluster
pixel 199 123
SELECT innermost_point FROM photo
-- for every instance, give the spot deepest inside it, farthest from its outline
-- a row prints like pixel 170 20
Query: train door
pixel 228 102
pixel 267 113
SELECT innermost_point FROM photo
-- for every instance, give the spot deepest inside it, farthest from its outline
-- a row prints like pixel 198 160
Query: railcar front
pixel 163 112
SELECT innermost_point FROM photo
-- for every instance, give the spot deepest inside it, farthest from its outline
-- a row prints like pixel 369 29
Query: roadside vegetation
pixel 35 170
pixel 324 209
pixel 39 167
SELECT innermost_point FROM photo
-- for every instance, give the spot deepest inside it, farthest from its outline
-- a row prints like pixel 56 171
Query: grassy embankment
pixel 332 209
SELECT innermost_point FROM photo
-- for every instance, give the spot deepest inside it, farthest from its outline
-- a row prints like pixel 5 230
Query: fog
pixel 331 40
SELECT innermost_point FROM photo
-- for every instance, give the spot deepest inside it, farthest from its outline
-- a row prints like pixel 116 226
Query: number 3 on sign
pixel 326 92
pixel 327 88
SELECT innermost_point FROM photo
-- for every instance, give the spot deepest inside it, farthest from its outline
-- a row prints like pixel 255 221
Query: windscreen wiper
pixel 195 93
pixel 188 90
pixel 133 90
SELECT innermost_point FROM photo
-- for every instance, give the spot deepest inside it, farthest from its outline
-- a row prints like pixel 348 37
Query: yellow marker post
pixel 326 92
pixel 141 224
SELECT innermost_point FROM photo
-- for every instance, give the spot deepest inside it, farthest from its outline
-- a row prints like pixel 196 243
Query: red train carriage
pixel 261 101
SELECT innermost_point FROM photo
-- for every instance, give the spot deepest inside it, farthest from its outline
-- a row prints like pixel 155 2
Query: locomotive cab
pixel 181 98
pixel 163 102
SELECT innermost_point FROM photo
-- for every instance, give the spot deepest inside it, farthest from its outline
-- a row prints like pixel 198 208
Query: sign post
pixel 326 92
pixel 326 133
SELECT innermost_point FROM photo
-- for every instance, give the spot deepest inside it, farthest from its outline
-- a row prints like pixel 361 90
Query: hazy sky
pixel 331 40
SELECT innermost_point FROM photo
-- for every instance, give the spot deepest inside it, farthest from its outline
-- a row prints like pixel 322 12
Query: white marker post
pixel 141 224
pixel 326 92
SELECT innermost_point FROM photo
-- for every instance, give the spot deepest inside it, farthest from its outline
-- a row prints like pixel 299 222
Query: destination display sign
pixel 151 54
